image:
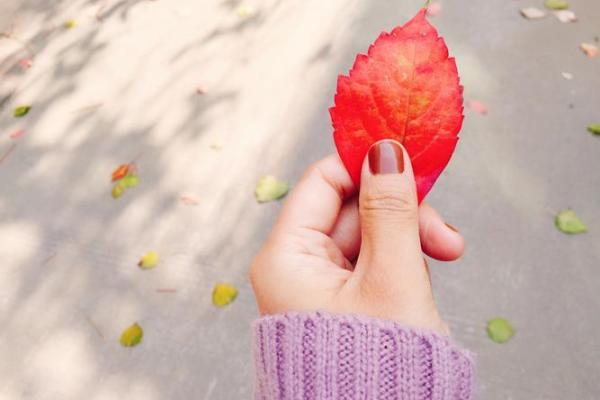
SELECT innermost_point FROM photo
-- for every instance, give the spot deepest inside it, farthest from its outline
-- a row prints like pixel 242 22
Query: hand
pixel 307 262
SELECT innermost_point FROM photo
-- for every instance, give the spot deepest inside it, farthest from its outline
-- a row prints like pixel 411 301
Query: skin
pixel 336 250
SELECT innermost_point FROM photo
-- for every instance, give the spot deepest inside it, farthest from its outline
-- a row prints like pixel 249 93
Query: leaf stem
pixel 427 3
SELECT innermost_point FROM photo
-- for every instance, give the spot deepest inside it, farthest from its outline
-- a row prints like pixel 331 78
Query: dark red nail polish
pixel 386 157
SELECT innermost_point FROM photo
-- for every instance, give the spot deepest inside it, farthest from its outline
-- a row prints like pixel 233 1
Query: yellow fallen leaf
pixel 223 294
pixel 245 11
pixel 70 24
pixel 148 260
pixel 117 190
pixel 132 335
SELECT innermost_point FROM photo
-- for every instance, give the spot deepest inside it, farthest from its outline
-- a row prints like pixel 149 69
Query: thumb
pixel 389 219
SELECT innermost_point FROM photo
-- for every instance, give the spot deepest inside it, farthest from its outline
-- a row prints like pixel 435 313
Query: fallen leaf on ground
pixel 189 200
pixel 223 294
pixel 270 188
pixel 434 9
pixel 17 134
pixel 70 24
pixel 132 335
pixel 478 107
pixel 565 16
pixel 532 13
pixel 130 181
pixel 120 172
pixel 245 11
pixel 26 63
pixel 594 129
pixel 148 260
pixel 500 330
pixel 567 75
pixel 568 222
pixel 117 190
pixel 589 49
pixel 21 111
pixel 557 4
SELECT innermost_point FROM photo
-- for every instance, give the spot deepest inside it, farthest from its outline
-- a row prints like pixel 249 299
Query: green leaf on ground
pixel 130 181
pixel 132 335
pixel 594 129
pixel 148 260
pixel 567 221
pixel 223 294
pixel 557 4
pixel 21 111
pixel 117 190
pixel 500 330
pixel 269 188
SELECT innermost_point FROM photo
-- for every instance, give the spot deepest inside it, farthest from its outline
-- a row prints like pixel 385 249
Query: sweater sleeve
pixel 325 356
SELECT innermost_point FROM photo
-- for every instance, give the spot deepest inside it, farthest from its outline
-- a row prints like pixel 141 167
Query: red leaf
pixel 17 134
pixel 189 200
pixel 25 63
pixel 120 172
pixel 406 89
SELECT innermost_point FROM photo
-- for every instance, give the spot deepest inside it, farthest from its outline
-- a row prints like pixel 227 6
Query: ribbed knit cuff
pixel 325 356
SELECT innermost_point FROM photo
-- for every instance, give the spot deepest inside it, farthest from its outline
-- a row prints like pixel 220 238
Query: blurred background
pixel 206 97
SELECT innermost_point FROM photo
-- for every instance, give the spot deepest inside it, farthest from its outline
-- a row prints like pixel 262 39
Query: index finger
pixel 317 199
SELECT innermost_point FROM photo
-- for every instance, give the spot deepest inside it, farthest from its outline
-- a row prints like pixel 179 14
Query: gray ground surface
pixel 68 281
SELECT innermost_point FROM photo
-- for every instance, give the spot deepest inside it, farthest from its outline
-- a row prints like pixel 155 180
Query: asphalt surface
pixel 121 86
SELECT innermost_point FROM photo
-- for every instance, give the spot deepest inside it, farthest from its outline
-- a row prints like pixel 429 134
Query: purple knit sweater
pixel 325 356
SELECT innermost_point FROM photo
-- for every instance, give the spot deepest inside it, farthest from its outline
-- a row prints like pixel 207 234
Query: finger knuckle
pixel 389 200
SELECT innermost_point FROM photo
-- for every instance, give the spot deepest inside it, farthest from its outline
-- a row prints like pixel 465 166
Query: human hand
pixel 307 264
